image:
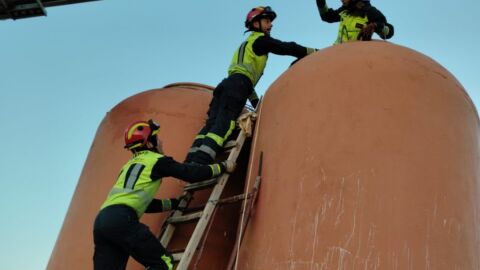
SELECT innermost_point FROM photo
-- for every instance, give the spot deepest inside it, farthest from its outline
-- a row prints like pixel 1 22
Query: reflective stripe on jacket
pixel 134 186
pixel 350 26
pixel 246 62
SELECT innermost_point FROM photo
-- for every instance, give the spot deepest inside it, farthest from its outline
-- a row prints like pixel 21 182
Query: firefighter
pixel 117 231
pixel 358 20
pixel 246 68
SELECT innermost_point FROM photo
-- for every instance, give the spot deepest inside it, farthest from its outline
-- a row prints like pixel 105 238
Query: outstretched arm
pixel 382 28
pixel 167 166
pixel 327 14
pixel 266 44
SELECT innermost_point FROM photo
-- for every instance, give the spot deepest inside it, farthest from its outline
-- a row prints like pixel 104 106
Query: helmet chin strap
pixel 153 148
pixel 152 140
pixel 258 29
pixel 261 26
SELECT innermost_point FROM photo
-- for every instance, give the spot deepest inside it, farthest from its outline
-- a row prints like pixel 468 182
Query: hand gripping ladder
pixel 184 258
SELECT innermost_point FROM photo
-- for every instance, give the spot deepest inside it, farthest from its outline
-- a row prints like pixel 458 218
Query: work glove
pixel 174 204
pixel 311 50
pixel 367 32
pixel 254 102
pixel 177 203
pixel 253 99
pixel 228 165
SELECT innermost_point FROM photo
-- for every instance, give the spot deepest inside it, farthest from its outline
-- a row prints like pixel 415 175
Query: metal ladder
pixel 184 258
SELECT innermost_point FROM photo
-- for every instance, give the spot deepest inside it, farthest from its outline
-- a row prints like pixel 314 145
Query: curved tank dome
pixel 370 161
pixel 181 110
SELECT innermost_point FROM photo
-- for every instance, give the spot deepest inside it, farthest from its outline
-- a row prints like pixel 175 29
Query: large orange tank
pixel 180 109
pixel 371 161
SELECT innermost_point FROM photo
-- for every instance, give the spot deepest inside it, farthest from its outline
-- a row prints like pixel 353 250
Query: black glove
pixel 253 99
pixel 174 203
pixel 181 202
pixel 254 102
pixel 367 32
pixel 321 3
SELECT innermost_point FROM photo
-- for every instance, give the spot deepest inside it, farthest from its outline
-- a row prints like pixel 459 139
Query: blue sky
pixel 62 73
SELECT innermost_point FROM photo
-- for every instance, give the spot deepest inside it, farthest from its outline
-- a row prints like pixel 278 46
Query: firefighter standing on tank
pixel 358 20
pixel 246 68
pixel 117 232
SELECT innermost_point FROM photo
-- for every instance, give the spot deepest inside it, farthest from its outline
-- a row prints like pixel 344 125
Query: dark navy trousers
pixel 228 102
pixel 118 234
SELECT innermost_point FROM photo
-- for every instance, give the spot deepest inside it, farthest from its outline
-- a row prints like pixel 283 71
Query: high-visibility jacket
pixel 350 26
pixel 246 62
pixel 352 22
pixel 134 186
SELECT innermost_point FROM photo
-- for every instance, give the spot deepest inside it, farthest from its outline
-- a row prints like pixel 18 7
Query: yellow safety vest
pixel 246 62
pixel 350 26
pixel 134 186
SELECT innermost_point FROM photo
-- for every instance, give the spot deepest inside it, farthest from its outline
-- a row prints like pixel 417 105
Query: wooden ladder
pixel 184 258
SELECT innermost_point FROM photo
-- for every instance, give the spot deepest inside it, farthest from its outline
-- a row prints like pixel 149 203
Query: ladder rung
pixel 234 199
pixel 200 185
pixel 184 257
pixel 177 256
pixel 185 218
pixel 230 144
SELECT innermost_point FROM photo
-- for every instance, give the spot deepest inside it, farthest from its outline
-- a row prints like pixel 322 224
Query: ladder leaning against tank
pixel 234 148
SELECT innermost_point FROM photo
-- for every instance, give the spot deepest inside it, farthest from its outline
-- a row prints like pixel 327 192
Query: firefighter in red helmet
pixel 246 68
pixel 117 231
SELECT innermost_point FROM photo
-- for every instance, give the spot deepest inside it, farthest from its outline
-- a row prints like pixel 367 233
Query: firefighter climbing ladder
pixel 184 258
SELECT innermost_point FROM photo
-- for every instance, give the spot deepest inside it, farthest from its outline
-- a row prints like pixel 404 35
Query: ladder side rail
pixel 166 234
pixel 215 195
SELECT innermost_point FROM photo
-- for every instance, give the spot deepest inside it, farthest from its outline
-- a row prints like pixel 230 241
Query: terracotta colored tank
pixel 371 161
pixel 180 109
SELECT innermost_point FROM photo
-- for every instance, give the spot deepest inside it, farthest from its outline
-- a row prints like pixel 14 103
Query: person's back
pixel 246 61
pixel 358 20
pixel 136 184
pixel 117 231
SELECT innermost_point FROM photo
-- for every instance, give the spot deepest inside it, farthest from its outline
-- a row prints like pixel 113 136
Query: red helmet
pixel 259 12
pixel 139 133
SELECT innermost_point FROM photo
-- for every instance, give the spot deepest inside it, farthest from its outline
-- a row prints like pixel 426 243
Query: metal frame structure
pixel 20 9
